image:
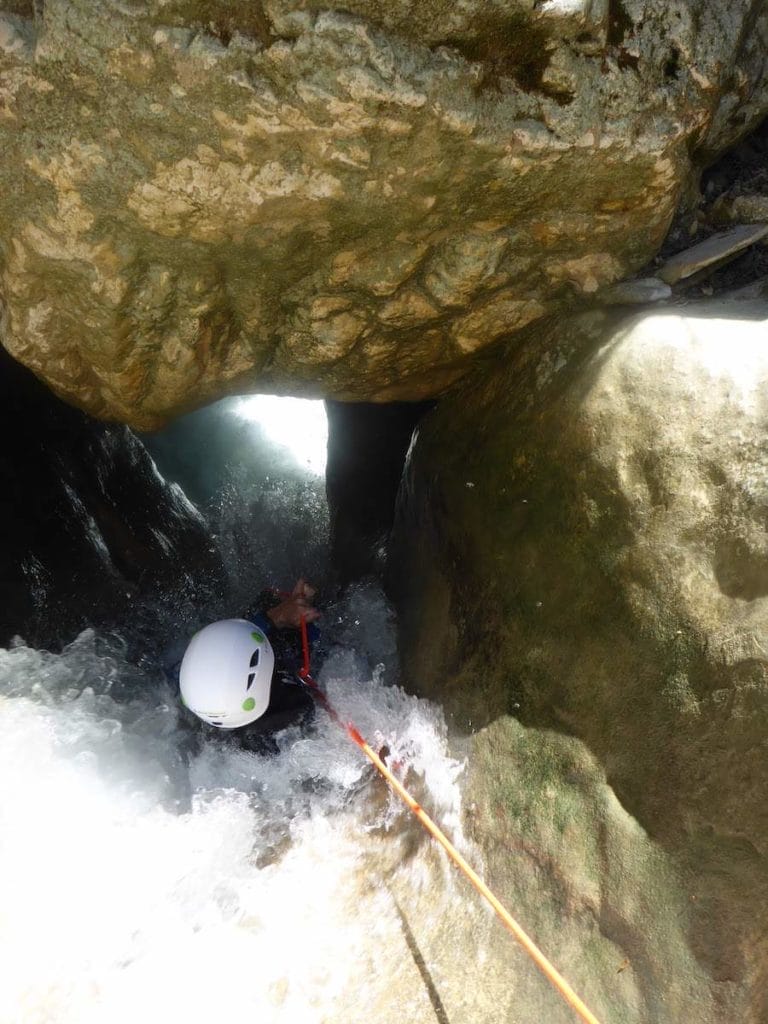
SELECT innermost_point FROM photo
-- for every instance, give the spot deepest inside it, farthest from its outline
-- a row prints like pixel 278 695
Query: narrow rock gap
pixel 367 448
pixel 619 23
pixel 733 191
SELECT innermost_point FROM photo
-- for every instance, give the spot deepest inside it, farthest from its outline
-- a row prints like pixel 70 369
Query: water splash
pixel 296 424
pixel 139 879
pixel 149 870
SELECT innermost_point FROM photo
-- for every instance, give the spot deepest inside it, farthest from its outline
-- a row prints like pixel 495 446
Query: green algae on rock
pixel 581 545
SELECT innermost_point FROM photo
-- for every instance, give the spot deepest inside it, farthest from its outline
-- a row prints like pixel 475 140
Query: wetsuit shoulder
pixel 289 704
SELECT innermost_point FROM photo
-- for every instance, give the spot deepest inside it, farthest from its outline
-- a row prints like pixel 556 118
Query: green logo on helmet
pixel 249 704
pixel 258 637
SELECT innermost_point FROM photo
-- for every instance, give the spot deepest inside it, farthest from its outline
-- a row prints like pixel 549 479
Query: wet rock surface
pixel 584 550
pixel 199 198
pixel 367 445
pixel 88 524
pixel 374 203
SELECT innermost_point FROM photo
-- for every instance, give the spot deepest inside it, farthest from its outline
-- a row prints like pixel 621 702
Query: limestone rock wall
pixel 200 197
pixel 581 545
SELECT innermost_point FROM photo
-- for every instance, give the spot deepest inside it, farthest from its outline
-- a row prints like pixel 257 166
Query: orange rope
pixel 548 969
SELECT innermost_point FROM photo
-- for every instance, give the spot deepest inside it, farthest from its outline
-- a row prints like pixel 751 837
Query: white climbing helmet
pixel 226 673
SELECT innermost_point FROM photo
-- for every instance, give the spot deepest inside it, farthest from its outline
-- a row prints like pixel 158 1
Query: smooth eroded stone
pixel 581 545
pixel 637 292
pixel 715 250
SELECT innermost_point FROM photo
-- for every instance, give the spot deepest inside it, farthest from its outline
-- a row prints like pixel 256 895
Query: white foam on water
pixel 139 882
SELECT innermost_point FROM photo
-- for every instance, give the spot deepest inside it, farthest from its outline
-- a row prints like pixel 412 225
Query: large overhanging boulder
pixel 201 196
pixel 586 550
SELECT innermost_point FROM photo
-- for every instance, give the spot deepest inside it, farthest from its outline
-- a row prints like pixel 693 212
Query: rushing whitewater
pixel 149 870
pixel 139 880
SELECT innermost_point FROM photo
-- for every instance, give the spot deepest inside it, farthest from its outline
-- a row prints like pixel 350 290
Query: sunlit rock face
pixel 585 550
pixel 205 197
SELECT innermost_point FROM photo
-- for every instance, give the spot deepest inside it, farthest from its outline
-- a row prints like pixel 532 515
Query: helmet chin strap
pixel 533 951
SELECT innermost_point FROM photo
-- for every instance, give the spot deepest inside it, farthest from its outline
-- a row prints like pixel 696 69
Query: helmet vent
pixel 254 663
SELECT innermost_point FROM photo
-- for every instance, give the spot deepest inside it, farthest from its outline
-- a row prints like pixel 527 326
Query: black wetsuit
pixel 290 703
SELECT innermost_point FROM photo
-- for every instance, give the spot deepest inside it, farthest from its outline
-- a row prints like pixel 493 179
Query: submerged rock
pixel 199 198
pixel 585 549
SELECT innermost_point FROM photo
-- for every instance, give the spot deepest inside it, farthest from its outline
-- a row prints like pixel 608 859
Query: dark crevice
pixel 561 96
pixel 671 67
pixel 367 445
pixel 22 8
pixel 743 166
pixel 731 190
pixel 620 25
pixel 441 1016
pixel 511 48
pixel 221 19
pixel 625 59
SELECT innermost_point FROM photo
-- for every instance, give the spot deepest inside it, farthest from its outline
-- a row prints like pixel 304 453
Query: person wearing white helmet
pixel 230 677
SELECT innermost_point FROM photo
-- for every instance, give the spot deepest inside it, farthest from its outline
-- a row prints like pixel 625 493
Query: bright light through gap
pixel 298 424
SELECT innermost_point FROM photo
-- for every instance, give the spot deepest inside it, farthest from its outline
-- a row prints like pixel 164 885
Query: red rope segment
pixel 548 969
pixel 304 670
